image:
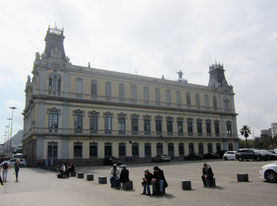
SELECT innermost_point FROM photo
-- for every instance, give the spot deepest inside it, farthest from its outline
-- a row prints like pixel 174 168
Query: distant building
pixel 266 133
pixel 84 114
pixel 274 129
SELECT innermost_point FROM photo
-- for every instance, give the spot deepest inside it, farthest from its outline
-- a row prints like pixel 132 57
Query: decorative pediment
pixel 122 115
pixel 199 120
pixel 134 116
pixel 108 114
pixel 208 121
pixel 169 118
pixel 158 117
pixel 53 110
pixel 189 119
pixel 93 113
pixel 147 116
pixel 180 119
pixel 78 112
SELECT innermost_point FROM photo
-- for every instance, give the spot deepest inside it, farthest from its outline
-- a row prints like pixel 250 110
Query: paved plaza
pixel 40 187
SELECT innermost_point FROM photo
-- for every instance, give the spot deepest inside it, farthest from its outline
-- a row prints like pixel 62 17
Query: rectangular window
pixel 135 149
pixel 59 86
pixel 78 150
pixel 157 96
pixel 190 128
pixel 93 124
pixel 122 150
pixel 188 99
pixel 215 102
pixel 158 127
pixel 200 148
pixel 134 126
pixel 93 89
pixel 216 126
pixel 146 95
pixel 181 149
pixel 168 97
pixel 121 125
pixel 108 125
pixel 180 128
pixel 229 130
pixel 169 127
pixel 93 150
pixel 78 123
pixel 79 86
pixel 133 93
pixel 108 149
pixel 197 100
pixel 191 148
pixel 208 129
pixel 147 149
pixel 178 99
pixel 121 92
pixel 50 85
pixel 108 91
pixel 147 127
pixel 207 105
pixel 199 128
pixel 53 122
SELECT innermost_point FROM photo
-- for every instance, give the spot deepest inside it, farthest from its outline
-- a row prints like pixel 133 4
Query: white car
pixel 269 172
pixel 230 155
pixel 22 162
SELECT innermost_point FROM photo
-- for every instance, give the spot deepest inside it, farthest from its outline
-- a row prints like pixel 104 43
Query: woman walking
pixel 16 167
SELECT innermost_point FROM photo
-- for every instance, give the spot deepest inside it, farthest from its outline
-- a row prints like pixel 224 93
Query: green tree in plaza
pixel 245 131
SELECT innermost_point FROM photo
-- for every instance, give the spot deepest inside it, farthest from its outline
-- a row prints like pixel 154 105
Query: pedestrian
pixel 1 182
pixel 158 182
pixel 146 182
pixel 207 173
pixel 124 174
pixel 16 168
pixel 5 167
pixel 114 179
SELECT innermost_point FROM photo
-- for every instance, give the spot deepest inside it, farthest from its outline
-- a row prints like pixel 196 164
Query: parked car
pixel 250 154
pixel 211 156
pixel 272 151
pixel 18 155
pixel 230 155
pixel 22 162
pixel 195 156
pixel 161 158
pixel 111 161
pixel 269 155
pixel 269 172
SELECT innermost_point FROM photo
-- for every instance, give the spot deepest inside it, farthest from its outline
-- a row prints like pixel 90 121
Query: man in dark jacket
pixel 207 173
pixel 124 175
pixel 158 180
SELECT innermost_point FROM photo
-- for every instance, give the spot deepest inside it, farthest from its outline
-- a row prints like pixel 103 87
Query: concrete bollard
pixel 127 185
pixel 90 177
pixel 186 185
pixel 208 182
pixel 102 180
pixel 242 177
pixel 73 174
pixel 80 175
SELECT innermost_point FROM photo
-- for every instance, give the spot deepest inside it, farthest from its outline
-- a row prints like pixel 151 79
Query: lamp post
pixel 12 108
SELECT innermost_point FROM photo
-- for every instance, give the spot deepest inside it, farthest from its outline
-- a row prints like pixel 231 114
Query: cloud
pixel 151 38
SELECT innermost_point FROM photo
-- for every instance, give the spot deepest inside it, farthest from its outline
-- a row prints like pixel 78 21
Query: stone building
pixel 84 114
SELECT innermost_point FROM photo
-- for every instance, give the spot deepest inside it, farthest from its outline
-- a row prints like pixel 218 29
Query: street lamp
pixel 12 108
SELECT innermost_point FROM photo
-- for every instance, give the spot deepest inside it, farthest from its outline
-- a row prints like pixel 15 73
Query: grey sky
pixel 152 38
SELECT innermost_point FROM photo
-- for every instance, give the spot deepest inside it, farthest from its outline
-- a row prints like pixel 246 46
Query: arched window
pixel 218 147
pixel 200 148
pixel 191 148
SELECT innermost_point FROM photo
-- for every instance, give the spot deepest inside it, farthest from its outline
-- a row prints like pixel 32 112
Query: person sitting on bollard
pixel 71 169
pixel 114 179
pixel 158 182
pixel 63 172
pixel 124 174
pixel 146 182
pixel 207 173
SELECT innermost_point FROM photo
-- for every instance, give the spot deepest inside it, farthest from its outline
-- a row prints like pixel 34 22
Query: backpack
pixel 5 166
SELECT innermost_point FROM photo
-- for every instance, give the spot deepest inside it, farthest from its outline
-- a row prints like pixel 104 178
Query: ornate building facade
pixel 84 114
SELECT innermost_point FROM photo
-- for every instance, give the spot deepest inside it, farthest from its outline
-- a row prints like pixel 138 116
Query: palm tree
pixel 245 131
